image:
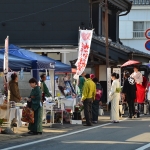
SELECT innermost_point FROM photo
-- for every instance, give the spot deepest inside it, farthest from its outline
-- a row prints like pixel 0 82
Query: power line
pixel 38 12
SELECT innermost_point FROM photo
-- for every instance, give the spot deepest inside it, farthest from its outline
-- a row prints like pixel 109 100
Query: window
pixel 141 2
pixel 139 28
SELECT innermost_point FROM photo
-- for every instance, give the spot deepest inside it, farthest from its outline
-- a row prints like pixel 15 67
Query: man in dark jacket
pixel 129 89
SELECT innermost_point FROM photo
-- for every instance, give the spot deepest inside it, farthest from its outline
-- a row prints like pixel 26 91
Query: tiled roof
pixel 121 47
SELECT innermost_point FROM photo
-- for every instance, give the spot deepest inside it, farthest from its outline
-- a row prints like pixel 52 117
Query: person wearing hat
pixel 97 102
pixel 92 76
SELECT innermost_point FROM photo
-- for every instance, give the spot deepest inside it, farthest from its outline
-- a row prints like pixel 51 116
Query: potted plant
pixel 77 112
pixel 1 122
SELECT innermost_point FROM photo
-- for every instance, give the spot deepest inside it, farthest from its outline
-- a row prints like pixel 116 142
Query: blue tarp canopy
pixel 15 63
pixel 38 62
pixel 60 67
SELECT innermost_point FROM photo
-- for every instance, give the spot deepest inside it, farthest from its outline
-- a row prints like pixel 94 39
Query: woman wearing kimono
pixel 115 97
pixel 140 93
pixel 36 104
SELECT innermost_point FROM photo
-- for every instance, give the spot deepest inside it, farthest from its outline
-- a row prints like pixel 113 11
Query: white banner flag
pixel 84 50
pixel 5 65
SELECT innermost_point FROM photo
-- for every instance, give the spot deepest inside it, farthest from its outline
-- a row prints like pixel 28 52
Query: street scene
pixel 75 74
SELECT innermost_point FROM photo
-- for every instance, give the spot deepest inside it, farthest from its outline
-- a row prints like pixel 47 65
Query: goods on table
pixel 4 105
pixel 12 104
pixel 19 105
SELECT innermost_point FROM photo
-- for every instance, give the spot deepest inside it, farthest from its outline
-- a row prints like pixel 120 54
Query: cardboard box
pixel 75 121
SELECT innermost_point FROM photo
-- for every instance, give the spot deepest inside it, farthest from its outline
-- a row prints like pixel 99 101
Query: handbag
pixel 27 115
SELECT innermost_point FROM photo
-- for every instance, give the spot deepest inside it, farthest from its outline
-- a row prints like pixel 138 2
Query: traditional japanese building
pixel 51 27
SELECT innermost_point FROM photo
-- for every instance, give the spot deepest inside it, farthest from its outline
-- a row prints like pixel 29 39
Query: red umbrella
pixel 130 62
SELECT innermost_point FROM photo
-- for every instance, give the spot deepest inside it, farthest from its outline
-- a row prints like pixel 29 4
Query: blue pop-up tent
pixel 37 62
pixel 41 62
pixel 15 63
pixel 60 67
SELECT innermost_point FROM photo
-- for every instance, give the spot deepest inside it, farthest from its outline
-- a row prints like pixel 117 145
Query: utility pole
pixel 108 70
pixel 106 33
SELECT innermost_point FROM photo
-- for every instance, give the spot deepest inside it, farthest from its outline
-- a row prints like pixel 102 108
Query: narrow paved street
pixel 126 135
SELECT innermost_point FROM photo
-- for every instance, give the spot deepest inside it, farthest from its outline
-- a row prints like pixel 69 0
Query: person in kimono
pixel 129 90
pixel 140 93
pixel 36 105
pixel 115 97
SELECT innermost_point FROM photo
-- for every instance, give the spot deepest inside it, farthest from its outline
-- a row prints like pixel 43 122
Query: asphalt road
pixel 126 135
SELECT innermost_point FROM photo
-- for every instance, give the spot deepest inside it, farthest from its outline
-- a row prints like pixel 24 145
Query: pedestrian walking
pixel 97 101
pixel 115 97
pixel 88 96
pixel 129 90
pixel 36 104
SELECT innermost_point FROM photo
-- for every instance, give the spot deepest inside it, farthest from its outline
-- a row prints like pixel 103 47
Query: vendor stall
pixel 21 58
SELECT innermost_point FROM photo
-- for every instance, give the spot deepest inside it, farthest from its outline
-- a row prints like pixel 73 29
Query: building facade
pixel 132 27
pixel 51 28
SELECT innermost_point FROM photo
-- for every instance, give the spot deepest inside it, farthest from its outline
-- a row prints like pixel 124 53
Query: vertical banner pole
pixel 107 51
pixel 84 51
pixel 108 83
pixel 6 80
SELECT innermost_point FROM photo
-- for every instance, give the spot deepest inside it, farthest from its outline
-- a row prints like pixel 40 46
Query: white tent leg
pixel 52 80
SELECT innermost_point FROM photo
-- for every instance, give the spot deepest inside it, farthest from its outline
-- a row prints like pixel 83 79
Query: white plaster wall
pixel 138 44
pixel 102 73
pixel 54 56
pixel 69 57
pixel 138 13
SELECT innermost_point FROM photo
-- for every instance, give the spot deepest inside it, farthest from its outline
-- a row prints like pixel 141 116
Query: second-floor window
pixel 139 28
pixel 141 2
